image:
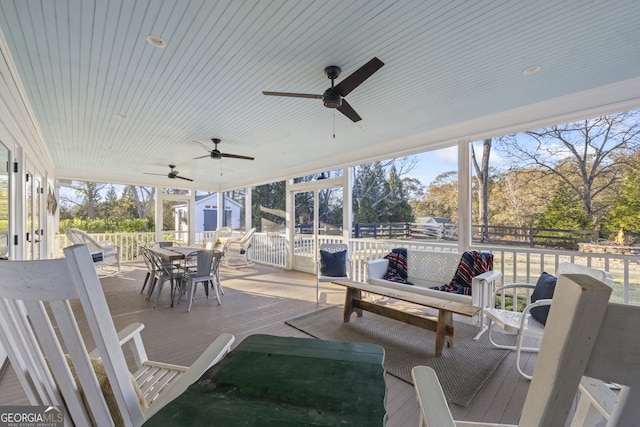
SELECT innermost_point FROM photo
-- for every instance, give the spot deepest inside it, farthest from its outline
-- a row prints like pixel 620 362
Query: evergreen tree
pixel 268 205
pixel 398 207
pixel 625 212
pixel 565 211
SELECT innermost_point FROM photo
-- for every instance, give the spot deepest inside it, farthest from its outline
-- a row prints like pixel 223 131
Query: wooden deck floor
pixel 259 299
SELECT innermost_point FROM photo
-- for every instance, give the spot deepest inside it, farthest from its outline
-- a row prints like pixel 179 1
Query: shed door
pixel 210 219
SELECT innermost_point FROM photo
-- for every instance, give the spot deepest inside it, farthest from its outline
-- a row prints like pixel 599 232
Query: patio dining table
pixel 170 255
pixel 285 381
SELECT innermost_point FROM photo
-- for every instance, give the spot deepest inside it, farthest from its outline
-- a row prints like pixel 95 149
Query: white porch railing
pixel 518 264
pixel 515 263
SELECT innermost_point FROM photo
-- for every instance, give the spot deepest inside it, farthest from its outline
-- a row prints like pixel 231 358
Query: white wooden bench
pixel 427 269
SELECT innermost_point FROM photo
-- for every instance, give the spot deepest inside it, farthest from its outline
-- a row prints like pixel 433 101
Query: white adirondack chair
pixel 585 335
pixel 38 328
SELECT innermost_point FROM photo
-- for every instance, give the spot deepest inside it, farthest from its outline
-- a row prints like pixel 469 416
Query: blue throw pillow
pixel 333 264
pixel 545 286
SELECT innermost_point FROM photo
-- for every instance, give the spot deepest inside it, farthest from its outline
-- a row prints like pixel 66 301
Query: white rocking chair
pixel 237 250
pixel 38 326
pixel 585 335
pixel 103 253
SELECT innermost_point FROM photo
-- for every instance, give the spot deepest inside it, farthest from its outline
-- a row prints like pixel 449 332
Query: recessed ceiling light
pixel 360 127
pixel 156 41
pixel 122 116
pixel 531 70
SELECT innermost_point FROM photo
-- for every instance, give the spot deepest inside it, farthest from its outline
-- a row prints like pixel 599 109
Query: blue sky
pixel 434 163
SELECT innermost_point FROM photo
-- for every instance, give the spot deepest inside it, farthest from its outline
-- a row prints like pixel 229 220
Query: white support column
pixel 347 204
pixel 248 211
pixel 289 224
pixel 220 208
pixel 464 196
pixel 158 215
pixel 191 211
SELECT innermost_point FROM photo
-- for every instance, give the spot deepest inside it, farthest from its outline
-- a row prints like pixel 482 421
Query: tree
pixel 565 212
pixel 588 156
pixel 482 182
pixel 518 199
pixel 377 198
pixel 144 199
pixel 398 208
pixel 442 197
pixel 625 212
pixel 89 195
pixel 268 205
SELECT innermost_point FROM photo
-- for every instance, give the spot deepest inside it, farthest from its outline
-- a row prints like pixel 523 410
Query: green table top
pixel 283 381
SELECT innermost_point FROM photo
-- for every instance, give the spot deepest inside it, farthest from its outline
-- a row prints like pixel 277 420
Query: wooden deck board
pixel 259 299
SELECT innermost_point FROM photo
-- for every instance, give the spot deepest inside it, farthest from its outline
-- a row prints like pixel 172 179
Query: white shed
pixel 206 213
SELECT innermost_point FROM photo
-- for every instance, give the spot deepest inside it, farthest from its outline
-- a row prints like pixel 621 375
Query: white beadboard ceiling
pixel 453 70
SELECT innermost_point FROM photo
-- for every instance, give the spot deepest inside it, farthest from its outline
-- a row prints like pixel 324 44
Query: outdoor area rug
pixel 462 369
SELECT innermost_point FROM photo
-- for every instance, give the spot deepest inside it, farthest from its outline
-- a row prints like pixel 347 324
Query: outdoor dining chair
pixel 164 271
pixel 150 277
pixel 199 268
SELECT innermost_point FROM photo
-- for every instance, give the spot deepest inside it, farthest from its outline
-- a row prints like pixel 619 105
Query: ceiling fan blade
pixel 159 174
pixel 295 95
pixel 348 111
pixel 182 177
pixel 202 157
pixel 204 147
pixel 357 77
pixel 236 156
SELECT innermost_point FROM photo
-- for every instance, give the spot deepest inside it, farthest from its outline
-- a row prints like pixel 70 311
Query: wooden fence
pixel 521 236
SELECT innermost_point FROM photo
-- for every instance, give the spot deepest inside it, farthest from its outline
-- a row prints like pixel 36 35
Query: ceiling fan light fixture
pixel 331 99
pixel 156 41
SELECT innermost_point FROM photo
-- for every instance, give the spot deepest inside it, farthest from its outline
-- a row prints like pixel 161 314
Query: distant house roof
pixel 432 219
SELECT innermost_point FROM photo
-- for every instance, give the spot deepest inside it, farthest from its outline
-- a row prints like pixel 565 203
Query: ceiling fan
pixel 334 96
pixel 216 154
pixel 173 174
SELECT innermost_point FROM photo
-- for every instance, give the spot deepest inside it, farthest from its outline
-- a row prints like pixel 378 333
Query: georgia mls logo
pixel 31 416
pixel 53 408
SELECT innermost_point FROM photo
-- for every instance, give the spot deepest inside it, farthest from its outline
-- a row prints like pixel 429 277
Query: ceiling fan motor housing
pixel 331 98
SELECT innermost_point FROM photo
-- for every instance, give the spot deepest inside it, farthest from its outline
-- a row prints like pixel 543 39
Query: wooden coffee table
pixel 442 325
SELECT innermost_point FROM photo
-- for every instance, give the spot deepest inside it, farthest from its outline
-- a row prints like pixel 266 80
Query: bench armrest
pixel 377 268
pixel 482 287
